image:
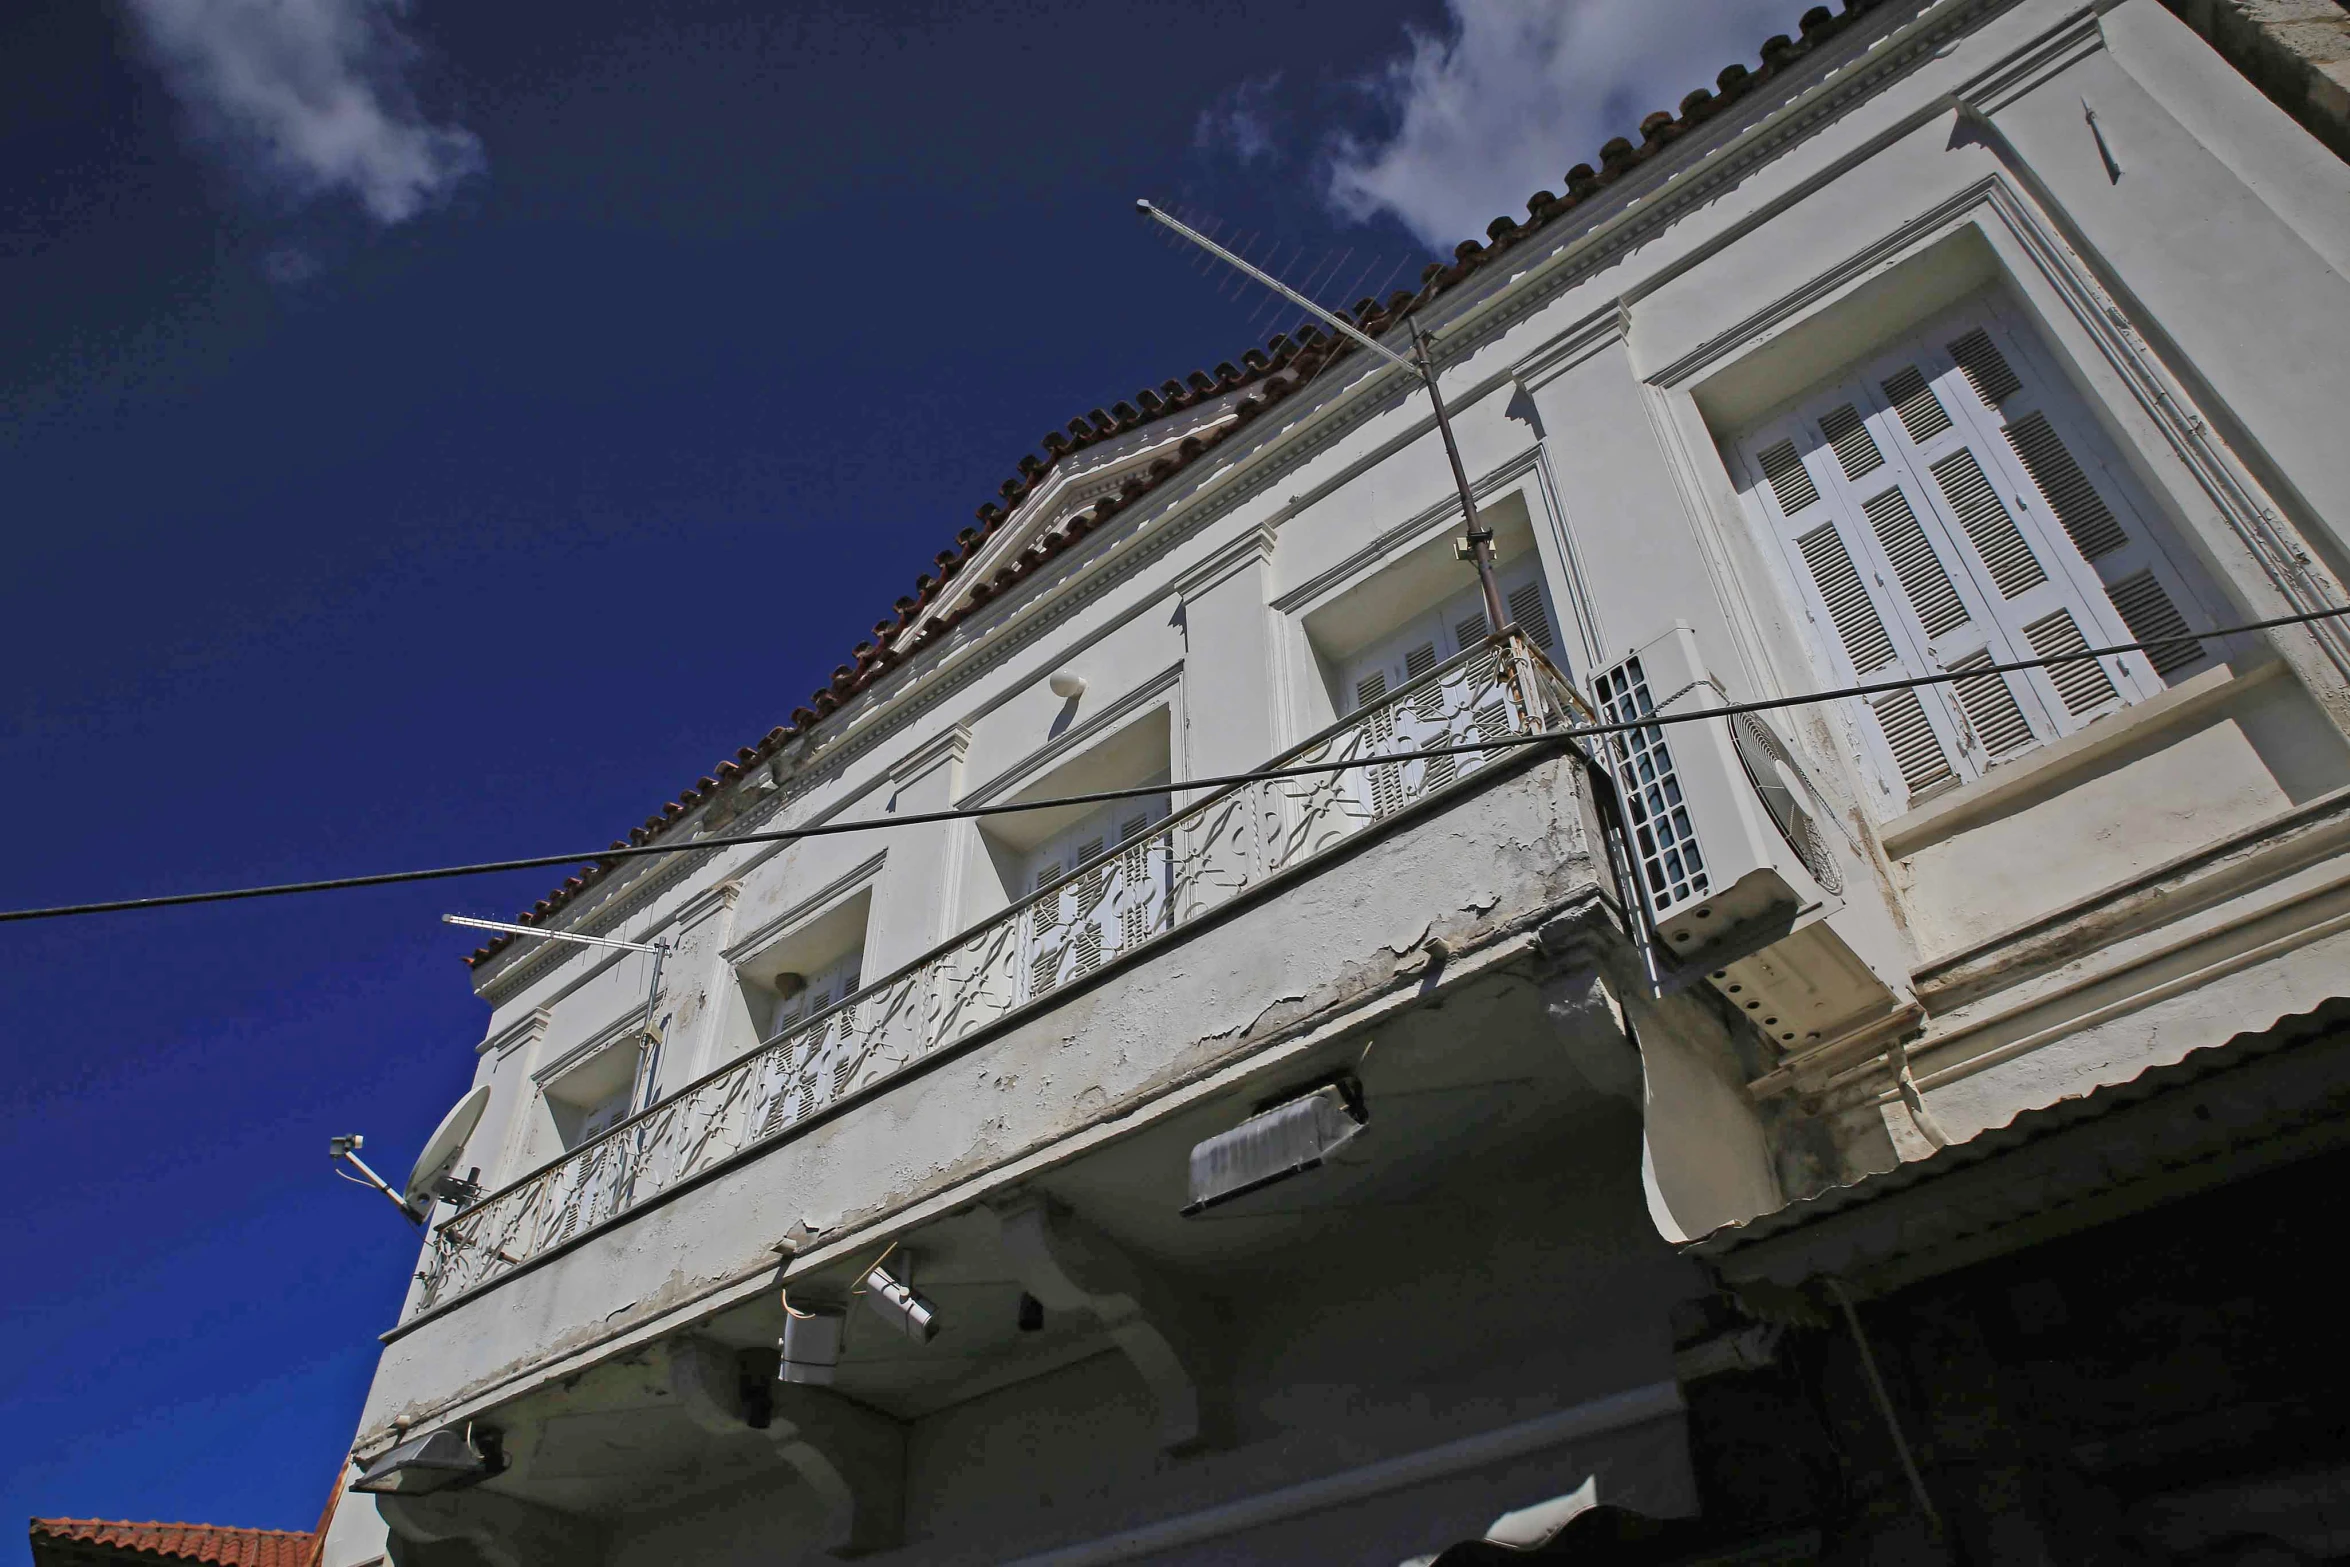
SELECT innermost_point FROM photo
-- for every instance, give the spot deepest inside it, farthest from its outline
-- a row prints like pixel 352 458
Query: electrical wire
pixel 1561 737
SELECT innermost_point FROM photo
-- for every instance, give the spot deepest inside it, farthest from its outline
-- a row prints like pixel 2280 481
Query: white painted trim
pixel 1413 530
pixel 1633 1407
pixel 1080 737
pixel 588 1049
pixel 528 1029
pixel 818 903
pixel 951 744
pixel 1070 484
pixel 1548 361
pixel 1483 309
pixel 1253 547
pixel 2051 765
pixel 2068 43
pixel 716 898
pixel 1280 1052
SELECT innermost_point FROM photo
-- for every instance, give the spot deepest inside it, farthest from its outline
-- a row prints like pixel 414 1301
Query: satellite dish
pixel 443 1149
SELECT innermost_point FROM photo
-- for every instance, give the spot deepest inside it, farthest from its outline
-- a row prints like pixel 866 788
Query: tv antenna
pixel 434 1177
pixel 648 1061
pixel 1477 546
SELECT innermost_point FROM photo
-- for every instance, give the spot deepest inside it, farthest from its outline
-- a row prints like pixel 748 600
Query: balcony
pixel 1103 913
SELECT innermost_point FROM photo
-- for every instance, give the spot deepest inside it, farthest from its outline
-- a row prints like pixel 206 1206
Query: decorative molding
pixel 528 1029
pixel 1645 207
pixel 1428 521
pixel 2290 566
pixel 625 1029
pixel 717 898
pixel 2067 44
pixel 1070 485
pixel 820 902
pixel 1888 250
pixel 858 1047
pixel 1252 548
pixel 1603 328
pixel 1079 737
pixel 514 972
pixel 949 746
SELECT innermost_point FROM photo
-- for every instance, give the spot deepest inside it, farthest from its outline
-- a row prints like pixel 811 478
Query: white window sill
pixel 2049 765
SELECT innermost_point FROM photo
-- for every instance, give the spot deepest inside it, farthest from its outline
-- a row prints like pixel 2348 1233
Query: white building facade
pixel 1960 334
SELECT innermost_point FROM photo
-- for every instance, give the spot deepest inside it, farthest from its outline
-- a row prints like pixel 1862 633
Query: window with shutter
pixel 1429 639
pixel 1104 883
pixel 1949 507
pixel 835 981
pixel 1532 616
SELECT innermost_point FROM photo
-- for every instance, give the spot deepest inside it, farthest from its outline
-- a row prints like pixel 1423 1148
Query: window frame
pixel 2003 623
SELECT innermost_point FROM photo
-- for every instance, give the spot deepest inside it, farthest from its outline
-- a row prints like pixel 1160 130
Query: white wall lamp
pixel 1065 685
pixel 443 1460
pixel 1279 1141
pixel 898 1304
pixel 811 1344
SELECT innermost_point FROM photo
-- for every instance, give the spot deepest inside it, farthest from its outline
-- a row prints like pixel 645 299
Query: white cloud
pixel 310 96
pixel 1517 91
pixel 1241 122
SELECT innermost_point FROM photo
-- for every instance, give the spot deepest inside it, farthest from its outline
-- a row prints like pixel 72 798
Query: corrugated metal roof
pixel 2261 1087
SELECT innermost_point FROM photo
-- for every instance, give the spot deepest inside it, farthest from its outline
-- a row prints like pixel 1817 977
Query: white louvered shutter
pixel 1113 876
pixel 1948 509
pixel 1801 476
pixel 2131 588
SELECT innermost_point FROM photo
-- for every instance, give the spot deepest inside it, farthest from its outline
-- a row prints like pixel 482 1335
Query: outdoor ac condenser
pixel 1737 856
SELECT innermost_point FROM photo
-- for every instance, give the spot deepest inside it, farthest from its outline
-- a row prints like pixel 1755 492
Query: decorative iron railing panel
pixel 1138 891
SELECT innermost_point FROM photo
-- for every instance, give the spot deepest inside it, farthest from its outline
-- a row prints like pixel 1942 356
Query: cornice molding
pixel 2069 42
pixel 1895 245
pixel 1070 485
pixel 1252 548
pixel 525 1030
pixel 717 898
pixel 948 747
pixel 1045 758
pixel 1429 520
pixel 822 901
pixel 1603 328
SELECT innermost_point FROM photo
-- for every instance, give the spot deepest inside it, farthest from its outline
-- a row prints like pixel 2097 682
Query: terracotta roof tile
pixel 1281 367
pixel 208 1544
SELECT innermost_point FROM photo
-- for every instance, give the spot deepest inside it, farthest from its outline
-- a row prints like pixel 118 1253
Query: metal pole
pixel 382 1185
pixel 548 935
pixel 648 1050
pixel 1478 545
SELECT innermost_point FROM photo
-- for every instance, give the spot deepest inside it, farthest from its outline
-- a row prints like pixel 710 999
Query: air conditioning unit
pixel 1736 853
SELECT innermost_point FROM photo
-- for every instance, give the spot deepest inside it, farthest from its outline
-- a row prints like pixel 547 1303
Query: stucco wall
pixel 2181 258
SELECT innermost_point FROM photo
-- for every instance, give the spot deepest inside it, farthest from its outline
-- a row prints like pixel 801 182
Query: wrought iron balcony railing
pixel 1139 891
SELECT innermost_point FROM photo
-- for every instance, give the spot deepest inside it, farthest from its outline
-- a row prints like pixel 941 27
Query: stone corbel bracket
pixel 504 1531
pixel 852 1458
pixel 1069 1266
pixel 1705 1155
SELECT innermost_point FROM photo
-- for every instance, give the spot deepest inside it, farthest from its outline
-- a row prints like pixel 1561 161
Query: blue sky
pixel 432 432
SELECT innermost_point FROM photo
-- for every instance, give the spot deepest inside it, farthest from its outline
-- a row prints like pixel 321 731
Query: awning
pixel 2260 1100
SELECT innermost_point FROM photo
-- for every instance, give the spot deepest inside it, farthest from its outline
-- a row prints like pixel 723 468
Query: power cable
pixel 1554 737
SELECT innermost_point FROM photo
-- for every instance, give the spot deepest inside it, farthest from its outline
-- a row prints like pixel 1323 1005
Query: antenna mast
pixel 648 1054
pixel 1477 546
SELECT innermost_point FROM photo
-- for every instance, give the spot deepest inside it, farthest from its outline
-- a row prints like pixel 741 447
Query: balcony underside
pixel 1294 977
